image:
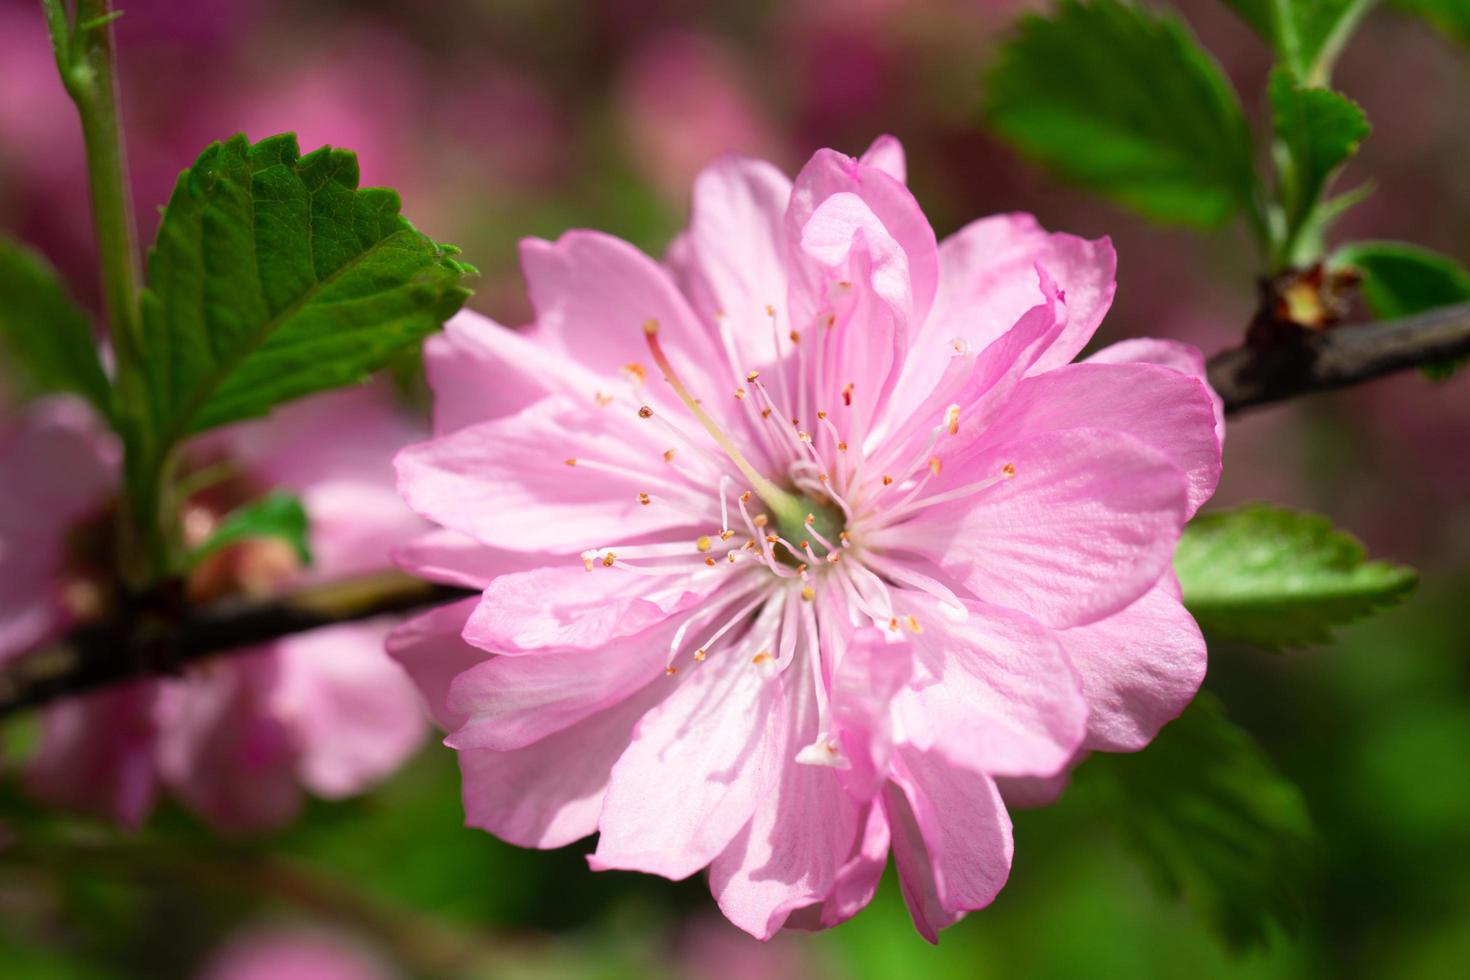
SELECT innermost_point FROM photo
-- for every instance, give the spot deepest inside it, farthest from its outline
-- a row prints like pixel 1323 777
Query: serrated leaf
pixel 43 332
pixel 1320 130
pixel 1279 578
pixel 1214 822
pixel 278 515
pixel 1125 102
pixel 1451 17
pixel 1400 279
pixel 274 277
pixel 1306 34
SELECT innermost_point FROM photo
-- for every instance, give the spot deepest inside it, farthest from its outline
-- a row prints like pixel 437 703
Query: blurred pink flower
pixel 825 534
pixel 234 738
pixel 293 954
pixel 685 101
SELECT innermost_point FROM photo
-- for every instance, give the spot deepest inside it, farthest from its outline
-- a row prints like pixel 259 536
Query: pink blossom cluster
pixel 806 546
pixel 238 737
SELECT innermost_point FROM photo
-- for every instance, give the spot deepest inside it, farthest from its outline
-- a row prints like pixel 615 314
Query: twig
pixel 96 656
pixel 1337 358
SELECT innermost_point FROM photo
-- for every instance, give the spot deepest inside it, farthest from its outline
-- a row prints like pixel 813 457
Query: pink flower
pixel 794 545
pixel 235 738
pixel 277 953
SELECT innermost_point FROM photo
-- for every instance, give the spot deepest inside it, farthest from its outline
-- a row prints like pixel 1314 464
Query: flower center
pixel 820 526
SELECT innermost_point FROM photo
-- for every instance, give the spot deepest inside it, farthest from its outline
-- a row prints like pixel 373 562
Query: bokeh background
pixel 497 119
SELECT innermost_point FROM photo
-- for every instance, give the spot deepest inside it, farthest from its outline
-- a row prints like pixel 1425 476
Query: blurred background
pixel 497 119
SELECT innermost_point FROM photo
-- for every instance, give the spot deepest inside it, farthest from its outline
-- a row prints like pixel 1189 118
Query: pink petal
pixel 96 753
pixel 446 556
pixel 736 247
pixel 803 829
pixel 886 154
pixel 951 840
pixel 479 370
pixel 431 650
pixel 857 879
pixel 506 482
pixel 690 780
pixel 593 293
pixel 352 712
pixel 1157 406
pixel 510 702
pixel 222 751
pixel 568 607
pixel 550 793
pixel 871 671
pixel 1184 358
pixel 993 693
pixel 1140 668
pixel 1084 526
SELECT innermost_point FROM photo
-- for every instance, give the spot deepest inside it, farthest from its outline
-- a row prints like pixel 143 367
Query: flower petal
pixel 570 608
pixel 690 779
pixel 431 649
pixel 549 793
pixel 886 154
pixel 1184 358
pixel 993 693
pixel 951 840
pixel 803 829
pixel 1068 527
pixel 1140 668
pixel 96 753
pixel 352 712
pixel 506 482
pixel 440 555
pixel 1157 406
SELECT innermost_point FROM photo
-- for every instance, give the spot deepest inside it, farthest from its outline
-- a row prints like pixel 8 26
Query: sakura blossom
pixel 237 738
pixel 794 545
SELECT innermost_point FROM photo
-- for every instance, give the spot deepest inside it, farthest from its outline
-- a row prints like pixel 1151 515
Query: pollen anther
pixel 645 412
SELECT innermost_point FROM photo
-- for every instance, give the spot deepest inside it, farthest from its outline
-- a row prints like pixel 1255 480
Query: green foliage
pixel 276 515
pixel 1306 34
pixel 1401 279
pixel 1214 822
pixel 42 330
pixel 274 277
pixel 1279 578
pixel 1318 130
pixel 1126 103
pixel 1452 17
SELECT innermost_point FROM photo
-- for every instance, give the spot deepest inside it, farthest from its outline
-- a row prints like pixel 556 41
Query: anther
pixel 570 462
pixel 796 336
pixel 739 393
pixel 935 465
pixel 887 480
pixel 645 412
pixel 752 376
pixel 1008 470
pixel 953 418
pixel 644 499
pixel 914 626
pixel 726 534
pixel 608 559
pixel 703 544
pixel 710 562
pixel 808 593
pixel 671 670
pixel 603 398
pixel 847 393
pixel 761 657
pixel 638 371
pixel 700 654
pixel 668 455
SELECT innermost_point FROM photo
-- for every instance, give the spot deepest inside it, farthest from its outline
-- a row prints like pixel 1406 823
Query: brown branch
pixel 1337 358
pixel 98 655
pixel 161 643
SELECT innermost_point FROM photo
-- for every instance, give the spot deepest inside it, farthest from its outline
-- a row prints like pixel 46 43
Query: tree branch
pixel 1338 358
pixel 141 645
pixel 95 656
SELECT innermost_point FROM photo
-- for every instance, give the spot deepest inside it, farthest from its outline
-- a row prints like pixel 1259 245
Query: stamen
pixel 776 498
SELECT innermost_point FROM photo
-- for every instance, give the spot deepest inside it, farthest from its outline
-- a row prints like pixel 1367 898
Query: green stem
pixel 83 49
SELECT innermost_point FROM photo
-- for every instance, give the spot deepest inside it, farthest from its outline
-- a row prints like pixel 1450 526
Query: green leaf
pixel 1452 17
pixel 1278 578
pixel 1126 103
pixel 1306 34
pixel 277 515
pixel 274 277
pixel 1401 279
pixel 43 332
pixel 1214 822
pixel 1319 130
